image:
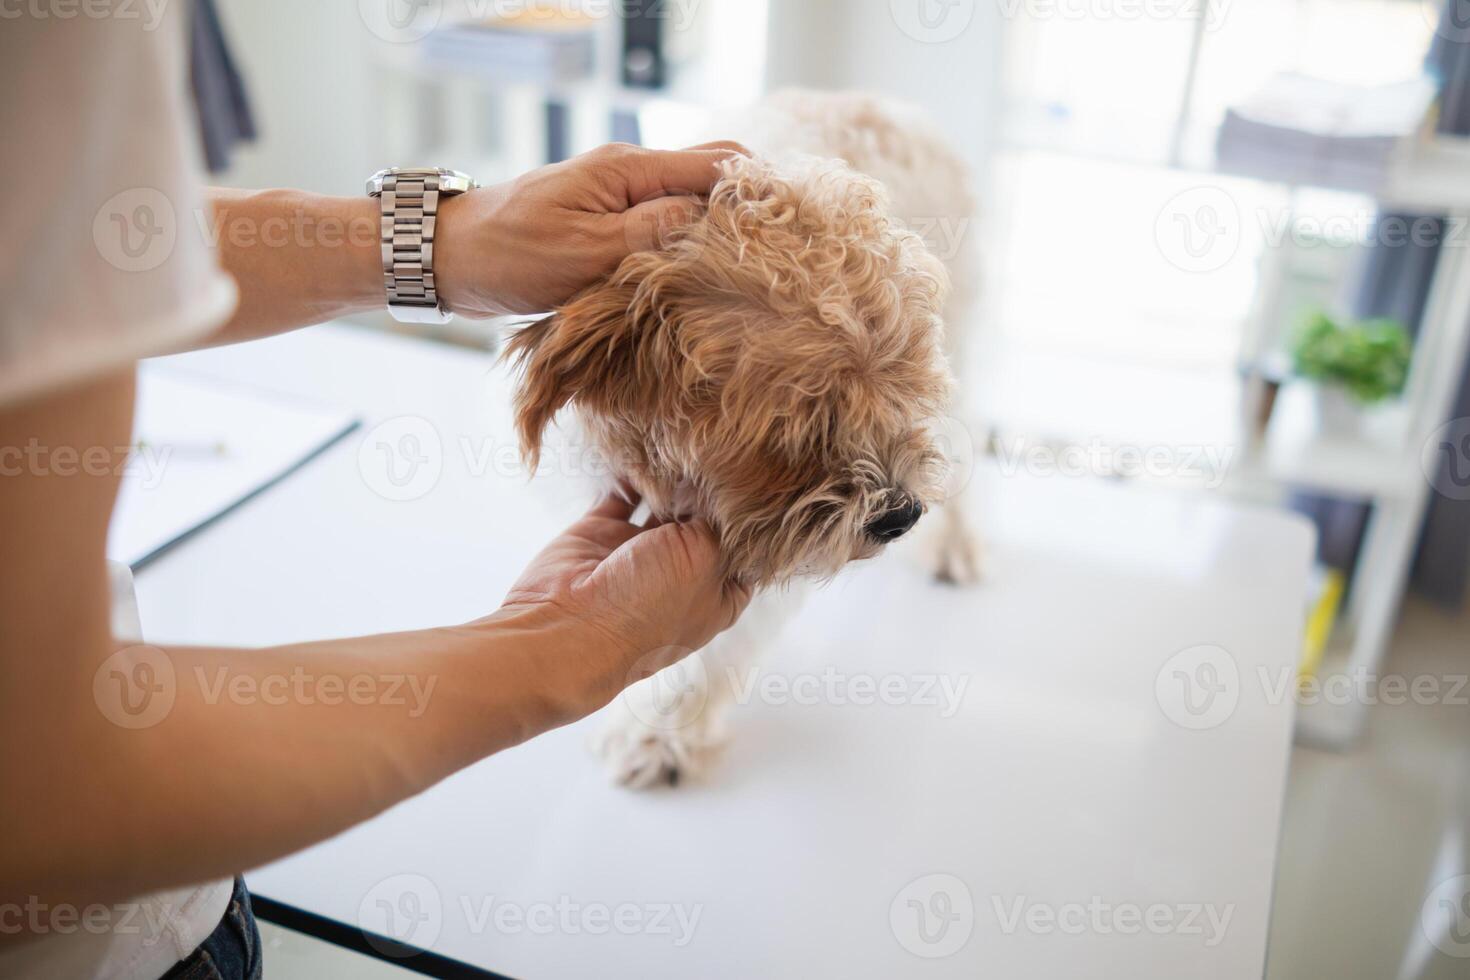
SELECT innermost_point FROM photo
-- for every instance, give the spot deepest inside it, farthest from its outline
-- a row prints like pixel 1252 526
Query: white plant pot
pixel 1338 413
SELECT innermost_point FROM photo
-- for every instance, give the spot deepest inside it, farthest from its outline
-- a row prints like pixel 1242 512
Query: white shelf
pixel 1376 463
pixel 1432 175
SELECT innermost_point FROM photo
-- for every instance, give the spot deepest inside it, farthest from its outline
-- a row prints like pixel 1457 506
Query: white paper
pixel 200 448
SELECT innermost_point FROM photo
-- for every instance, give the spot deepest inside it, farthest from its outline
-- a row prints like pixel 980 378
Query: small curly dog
pixel 776 368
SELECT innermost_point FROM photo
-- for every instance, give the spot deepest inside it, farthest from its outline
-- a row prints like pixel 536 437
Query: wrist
pixel 362 268
pixel 569 670
pixel 453 273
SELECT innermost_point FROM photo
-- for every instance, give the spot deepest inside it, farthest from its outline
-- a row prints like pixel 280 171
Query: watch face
pixel 453 181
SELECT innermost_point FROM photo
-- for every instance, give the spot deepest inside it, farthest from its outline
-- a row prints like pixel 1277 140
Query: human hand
pixel 531 244
pixel 633 599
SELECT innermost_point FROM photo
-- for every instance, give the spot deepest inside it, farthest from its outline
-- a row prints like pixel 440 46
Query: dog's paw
pixel 957 560
pixel 640 756
pixel 952 550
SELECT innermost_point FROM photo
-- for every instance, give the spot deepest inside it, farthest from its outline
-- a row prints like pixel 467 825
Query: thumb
pixel 648 226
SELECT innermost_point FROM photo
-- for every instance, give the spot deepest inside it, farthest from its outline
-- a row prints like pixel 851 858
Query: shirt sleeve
pixel 105 251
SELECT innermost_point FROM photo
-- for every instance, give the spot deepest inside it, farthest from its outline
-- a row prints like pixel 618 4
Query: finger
pixel 678 172
pixel 608 535
pixel 617 505
pixel 648 226
pixel 724 145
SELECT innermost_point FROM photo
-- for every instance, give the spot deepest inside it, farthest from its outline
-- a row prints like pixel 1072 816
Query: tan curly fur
pixel 773 368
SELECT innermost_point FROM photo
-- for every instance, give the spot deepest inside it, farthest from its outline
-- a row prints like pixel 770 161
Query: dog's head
pixel 773 368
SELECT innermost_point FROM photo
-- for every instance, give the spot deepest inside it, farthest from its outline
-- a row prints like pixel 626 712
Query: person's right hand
pixel 531 244
pixel 635 599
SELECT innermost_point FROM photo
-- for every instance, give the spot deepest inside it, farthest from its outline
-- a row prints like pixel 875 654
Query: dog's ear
pixel 585 352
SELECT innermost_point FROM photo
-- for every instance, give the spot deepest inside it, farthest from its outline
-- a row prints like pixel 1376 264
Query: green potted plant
pixel 1353 366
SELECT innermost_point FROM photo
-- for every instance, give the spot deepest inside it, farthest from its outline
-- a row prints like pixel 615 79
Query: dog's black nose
pixel 895 522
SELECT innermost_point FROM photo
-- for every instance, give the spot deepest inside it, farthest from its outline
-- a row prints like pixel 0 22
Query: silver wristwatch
pixel 408 200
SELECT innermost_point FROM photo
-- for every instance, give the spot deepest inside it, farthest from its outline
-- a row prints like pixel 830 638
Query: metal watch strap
pixel 409 207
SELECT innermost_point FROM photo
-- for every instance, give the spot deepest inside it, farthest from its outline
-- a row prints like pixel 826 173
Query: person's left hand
pixel 633 599
pixel 531 244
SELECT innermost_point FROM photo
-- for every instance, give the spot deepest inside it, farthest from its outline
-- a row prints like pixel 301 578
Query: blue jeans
pixel 232 951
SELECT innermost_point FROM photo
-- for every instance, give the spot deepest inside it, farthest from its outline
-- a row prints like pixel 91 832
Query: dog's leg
pixel 954 546
pixel 672 727
pixel 957 552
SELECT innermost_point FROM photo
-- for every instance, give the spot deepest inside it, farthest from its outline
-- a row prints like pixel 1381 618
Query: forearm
pixel 297 258
pixel 264 752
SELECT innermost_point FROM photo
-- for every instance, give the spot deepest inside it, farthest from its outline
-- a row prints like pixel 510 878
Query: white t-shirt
pixel 102 257
pixel 102 261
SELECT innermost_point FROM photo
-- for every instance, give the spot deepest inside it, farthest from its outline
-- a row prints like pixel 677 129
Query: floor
pixel 1367 836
